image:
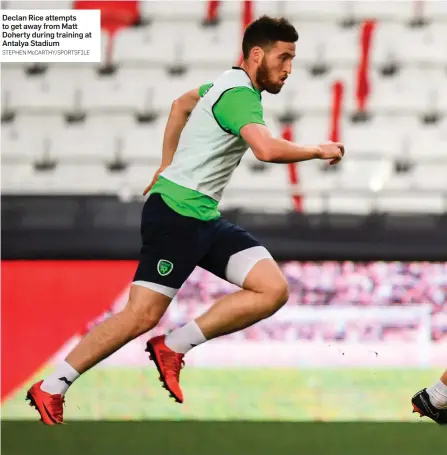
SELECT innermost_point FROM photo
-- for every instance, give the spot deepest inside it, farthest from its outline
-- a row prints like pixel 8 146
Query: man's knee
pixel 277 295
pixel 279 291
pixel 140 318
pixel 145 308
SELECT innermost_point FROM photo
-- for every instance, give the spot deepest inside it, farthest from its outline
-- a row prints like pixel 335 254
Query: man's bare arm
pixel 181 108
pixel 276 150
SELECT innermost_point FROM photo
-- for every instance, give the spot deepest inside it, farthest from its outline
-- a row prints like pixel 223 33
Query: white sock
pixel 438 395
pixel 183 339
pixel 60 380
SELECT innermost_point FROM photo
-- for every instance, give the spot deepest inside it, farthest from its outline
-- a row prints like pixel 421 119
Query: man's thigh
pixel 234 253
pixel 172 245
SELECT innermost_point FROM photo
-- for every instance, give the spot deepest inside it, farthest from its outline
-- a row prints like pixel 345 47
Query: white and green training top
pixel 210 147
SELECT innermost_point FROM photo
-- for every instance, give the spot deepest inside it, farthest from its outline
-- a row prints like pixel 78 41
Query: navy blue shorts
pixel 173 245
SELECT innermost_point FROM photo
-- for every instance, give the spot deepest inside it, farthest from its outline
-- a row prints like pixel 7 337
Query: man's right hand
pixel 276 150
pixel 154 179
pixel 333 151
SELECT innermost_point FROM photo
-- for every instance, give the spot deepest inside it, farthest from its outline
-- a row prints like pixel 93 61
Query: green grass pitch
pixel 231 412
pixel 250 394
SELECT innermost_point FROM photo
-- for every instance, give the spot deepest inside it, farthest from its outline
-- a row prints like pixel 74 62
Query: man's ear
pixel 257 54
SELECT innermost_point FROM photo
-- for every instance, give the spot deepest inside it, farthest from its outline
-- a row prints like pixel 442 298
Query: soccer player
pixel 432 402
pixel 207 132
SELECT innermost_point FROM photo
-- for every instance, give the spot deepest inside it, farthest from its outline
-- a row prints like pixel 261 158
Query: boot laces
pixel 173 362
pixel 56 403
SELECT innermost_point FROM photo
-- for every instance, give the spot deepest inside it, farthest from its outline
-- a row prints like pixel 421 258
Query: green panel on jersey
pixel 204 88
pixel 185 201
pixel 238 107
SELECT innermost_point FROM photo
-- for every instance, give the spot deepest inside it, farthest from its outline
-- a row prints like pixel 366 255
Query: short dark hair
pixel 265 31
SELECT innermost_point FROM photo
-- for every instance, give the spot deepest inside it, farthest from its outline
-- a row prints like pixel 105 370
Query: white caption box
pixel 50 36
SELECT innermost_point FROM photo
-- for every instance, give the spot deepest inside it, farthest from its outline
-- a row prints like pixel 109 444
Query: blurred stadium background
pixel 363 244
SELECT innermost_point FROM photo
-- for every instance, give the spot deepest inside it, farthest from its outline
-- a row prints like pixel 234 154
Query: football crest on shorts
pixel 164 267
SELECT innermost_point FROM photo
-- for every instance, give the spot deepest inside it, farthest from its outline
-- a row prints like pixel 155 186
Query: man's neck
pixel 251 72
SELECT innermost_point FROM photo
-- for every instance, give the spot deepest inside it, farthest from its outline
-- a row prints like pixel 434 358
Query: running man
pixel 432 401
pixel 208 131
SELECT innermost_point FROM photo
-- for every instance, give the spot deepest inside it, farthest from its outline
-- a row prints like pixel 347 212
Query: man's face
pixel 275 66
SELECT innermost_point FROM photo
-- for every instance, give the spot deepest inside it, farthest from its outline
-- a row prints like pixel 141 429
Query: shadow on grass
pixel 222 438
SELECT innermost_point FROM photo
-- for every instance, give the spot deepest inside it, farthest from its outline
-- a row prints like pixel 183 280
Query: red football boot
pixel 50 407
pixel 168 363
